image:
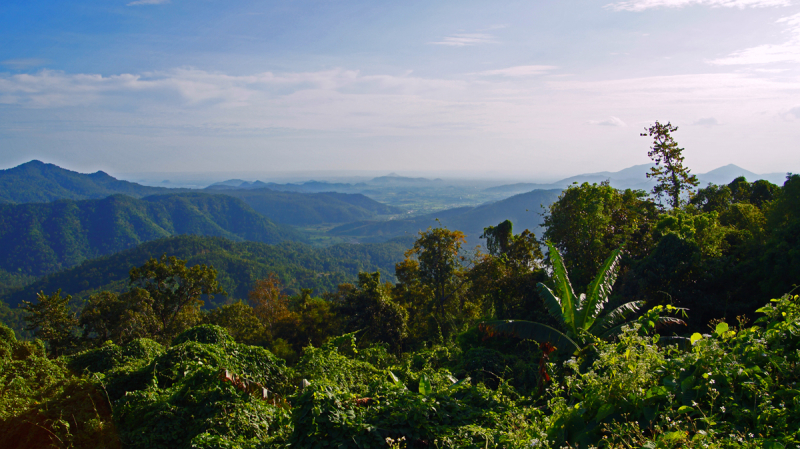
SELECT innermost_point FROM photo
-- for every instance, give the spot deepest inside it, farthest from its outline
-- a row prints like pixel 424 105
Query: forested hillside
pixel 42 238
pixel 37 182
pixel 239 265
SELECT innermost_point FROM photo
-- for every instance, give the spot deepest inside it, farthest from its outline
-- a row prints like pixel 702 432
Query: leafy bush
pixel 207 333
pixel 42 404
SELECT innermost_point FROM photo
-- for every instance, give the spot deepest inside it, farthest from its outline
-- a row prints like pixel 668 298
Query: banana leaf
pixel 600 289
pixel 530 330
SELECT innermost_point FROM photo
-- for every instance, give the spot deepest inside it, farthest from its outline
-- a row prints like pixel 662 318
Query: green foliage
pixel 370 308
pixel 589 221
pixel 435 265
pixel 584 318
pixel 174 291
pixel 43 405
pixel 504 280
pixel 207 334
pixel 428 407
pixel 51 320
pixel 181 396
pixel 239 266
pixel 240 321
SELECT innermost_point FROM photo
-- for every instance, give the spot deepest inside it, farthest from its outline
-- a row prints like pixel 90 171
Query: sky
pixel 536 89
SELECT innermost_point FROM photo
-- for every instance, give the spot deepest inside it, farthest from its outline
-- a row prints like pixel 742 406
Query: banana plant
pixel 583 317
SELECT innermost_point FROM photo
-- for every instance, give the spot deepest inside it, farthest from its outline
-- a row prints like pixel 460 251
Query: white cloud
pixel 611 121
pixel 347 101
pixel 788 51
pixel 462 40
pixel 147 2
pixel 795 112
pixel 707 122
pixel 521 70
pixel 23 63
pixel 641 5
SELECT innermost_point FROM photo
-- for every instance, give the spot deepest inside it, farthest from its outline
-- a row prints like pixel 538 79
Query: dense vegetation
pixel 43 238
pixel 644 324
pixel 239 265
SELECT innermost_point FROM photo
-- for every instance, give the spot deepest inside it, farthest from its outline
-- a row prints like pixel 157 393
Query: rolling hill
pixel 524 210
pixel 42 238
pixel 239 265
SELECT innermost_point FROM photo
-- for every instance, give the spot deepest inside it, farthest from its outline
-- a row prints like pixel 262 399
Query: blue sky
pixel 530 88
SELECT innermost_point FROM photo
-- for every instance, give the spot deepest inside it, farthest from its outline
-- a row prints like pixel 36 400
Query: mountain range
pixel 38 182
pixel 636 178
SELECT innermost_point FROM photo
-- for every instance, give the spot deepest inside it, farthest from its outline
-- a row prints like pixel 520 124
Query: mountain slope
pixel 37 182
pixel 239 265
pixel 524 210
pixel 300 209
pixel 42 238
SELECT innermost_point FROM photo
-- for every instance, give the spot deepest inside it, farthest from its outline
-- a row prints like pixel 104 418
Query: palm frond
pixel 600 289
pixel 530 330
pixel 615 317
pixel 552 303
pixel 563 287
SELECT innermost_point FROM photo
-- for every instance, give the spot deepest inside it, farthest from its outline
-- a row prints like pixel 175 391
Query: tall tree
pixel 175 290
pixel 672 178
pixel 436 263
pixel 270 303
pixel 370 308
pixel 505 279
pixel 51 320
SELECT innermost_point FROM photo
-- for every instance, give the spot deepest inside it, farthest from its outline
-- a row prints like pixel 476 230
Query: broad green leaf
pixel 611 323
pixel 605 410
pixel 721 329
pixel 564 289
pixel 674 436
pixel 600 289
pixel 695 338
pixel 685 409
pixel 552 302
pixel 425 386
